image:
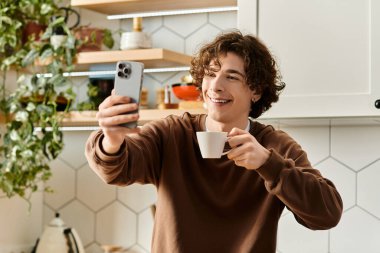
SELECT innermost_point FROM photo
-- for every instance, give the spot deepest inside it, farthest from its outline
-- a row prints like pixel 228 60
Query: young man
pixel 231 204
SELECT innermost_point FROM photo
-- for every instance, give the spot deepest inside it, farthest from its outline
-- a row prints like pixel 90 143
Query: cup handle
pixel 225 153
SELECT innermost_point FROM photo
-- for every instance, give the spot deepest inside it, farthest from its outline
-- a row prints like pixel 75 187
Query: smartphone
pixel 128 82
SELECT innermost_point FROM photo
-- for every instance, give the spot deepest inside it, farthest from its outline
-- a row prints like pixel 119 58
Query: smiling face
pixel 226 93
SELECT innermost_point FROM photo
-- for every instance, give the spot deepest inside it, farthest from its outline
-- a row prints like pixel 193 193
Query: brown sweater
pixel 212 205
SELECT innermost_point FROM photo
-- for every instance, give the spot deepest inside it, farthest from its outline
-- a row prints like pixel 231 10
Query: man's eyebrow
pixel 234 71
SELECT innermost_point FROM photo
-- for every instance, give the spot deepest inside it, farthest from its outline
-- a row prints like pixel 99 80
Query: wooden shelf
pixel 87 118
pixel 152 58
pixel 113 7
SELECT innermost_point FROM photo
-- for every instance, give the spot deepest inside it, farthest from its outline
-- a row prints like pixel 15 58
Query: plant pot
pixel 61 101
pixel 135 40
pixel 92 38
pixel 32 29
pixel 105 87
pixel 57 40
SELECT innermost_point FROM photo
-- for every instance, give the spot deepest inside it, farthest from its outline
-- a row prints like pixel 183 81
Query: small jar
pixel 144 98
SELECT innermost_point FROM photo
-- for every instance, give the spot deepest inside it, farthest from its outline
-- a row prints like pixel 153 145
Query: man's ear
pixel 255 96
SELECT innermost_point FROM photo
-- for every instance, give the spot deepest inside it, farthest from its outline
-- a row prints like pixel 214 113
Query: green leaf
pixel 30 57
pixel 4 19
pixel 57 80
pixel 46 52
pixel 108 41
pixel 46 8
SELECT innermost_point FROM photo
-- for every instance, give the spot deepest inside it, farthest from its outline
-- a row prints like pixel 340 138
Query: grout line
pixel 257 17
pixel 356 188
pixel 330 142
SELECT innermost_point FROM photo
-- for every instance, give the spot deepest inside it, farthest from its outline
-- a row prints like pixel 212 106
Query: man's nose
pixel 217 84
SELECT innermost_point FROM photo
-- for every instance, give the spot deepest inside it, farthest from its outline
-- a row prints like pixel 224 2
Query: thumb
pixel 236 131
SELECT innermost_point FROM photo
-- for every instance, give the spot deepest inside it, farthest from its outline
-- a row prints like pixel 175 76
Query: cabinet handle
pixel 377 104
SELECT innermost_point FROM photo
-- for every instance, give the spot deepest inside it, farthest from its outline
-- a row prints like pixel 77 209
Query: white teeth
pixel 218 100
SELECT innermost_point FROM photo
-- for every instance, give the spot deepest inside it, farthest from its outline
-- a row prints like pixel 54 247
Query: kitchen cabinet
pixel 328 52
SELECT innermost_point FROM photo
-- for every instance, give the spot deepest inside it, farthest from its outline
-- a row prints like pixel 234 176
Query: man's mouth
pixel 219 100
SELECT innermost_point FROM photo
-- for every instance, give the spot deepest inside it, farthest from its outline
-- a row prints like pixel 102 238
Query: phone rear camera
pixel 121 65
pixel 126 71
pixel 120 74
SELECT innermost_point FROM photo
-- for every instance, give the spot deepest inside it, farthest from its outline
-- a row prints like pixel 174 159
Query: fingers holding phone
pixel 118 113
pixel 116 110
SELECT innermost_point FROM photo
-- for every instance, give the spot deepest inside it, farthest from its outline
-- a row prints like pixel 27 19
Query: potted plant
pixel 25 153
pixel 37 15
pixel 92 38
pixel 97 90
pixel 10 30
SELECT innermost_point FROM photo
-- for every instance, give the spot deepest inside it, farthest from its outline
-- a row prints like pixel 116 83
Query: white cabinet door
pixel 327 51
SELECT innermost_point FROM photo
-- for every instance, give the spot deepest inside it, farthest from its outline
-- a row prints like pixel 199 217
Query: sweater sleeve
pixel 313 199
pixel 137 161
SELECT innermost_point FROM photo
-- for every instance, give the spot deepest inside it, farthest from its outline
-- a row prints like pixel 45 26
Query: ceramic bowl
pixel 186 91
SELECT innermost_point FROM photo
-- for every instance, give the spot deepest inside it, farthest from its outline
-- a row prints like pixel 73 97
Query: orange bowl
pixel 186 91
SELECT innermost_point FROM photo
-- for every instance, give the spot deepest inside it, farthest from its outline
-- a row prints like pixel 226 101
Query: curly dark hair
pixel 262 74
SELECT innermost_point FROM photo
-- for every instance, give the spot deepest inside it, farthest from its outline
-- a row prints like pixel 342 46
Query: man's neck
pixel 212 125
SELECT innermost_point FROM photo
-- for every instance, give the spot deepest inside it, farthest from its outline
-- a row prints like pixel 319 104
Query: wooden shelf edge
pixel 113 7
pixel 88 118
pixel 152 57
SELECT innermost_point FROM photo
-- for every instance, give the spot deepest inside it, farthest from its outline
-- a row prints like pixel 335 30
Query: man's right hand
pixel 112 113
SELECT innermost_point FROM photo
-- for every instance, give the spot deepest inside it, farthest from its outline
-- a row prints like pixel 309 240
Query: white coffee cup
pixel 212 144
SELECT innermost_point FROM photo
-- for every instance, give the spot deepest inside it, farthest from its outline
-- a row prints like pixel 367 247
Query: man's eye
pixel 233 77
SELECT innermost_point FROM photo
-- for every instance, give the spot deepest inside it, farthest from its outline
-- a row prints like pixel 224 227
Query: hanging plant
pixel 32 136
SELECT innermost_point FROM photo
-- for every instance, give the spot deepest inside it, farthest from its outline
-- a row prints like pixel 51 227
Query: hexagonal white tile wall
pixel 164 38
pixel 74 156
pixel 356 146
pixel 49 214
pixel 145 228
pixel 149 24
pixel 152 24
pixel 93 248
pixel 193 23
pixel 314 140
pixel 136 249
pixel 92 190
pixel 137 196
pixel 358 231
pixel 116 225
pixel 343 178
pixel 201 36
pixel 369 190
pixel 293 237
pixel 63 184
pixel 80 89
pixel 162 77
pixel 18 227
pixel 224 20
pixel 82 219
